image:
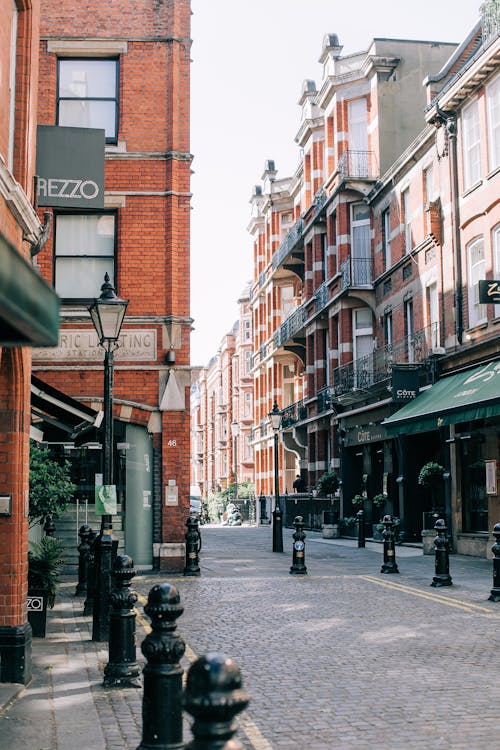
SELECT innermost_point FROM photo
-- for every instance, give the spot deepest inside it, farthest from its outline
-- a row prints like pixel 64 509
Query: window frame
pixel 116 99
pixel 386 237
pixel 405 210
pixel 473 287
pixel 493 128
pixel 69 301
pixel 473 148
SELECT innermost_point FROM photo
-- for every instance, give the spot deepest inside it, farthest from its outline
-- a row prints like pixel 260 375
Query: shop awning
pixel 56 413
pixel 29 307
pixel 466 396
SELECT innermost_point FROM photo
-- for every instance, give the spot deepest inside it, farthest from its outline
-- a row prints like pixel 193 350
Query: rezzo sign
pixel 70 167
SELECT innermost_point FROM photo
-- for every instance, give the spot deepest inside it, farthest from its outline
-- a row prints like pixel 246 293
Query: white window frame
pixel 386 237
pixel 476 272
pixel 405 204
pixel 493 109
pixel 495 249
pixel 409 323
pixel 471 145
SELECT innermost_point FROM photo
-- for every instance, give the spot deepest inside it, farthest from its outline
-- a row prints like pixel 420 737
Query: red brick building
pixel 28 316
pixel 125 68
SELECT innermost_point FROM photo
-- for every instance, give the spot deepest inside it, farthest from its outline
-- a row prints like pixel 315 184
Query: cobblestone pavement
pixel 342 658
pixel 345 657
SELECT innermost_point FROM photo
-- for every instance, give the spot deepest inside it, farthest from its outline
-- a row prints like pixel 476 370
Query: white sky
pixel 250 58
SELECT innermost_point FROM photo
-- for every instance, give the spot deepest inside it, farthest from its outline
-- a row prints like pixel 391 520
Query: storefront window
pixel 474 498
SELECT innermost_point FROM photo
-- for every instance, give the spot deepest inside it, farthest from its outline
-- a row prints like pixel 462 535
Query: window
pixel 386 238
pixel 247 329
pixel 358 138
pixel 12 87
pixel 433 315
pixel 360 244
pixel 493 103
pixel 475 255
pixel 363 347
pixel 429 185
pixel 471 145
pixel 248 405
pixel 409 330
pixel 84 252
pixel 248 361
pixel 495 244
pixel 405 206
pixel 388 331
pixel 88 95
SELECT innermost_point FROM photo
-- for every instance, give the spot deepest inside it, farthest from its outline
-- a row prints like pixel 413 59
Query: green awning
pixel 466 396
pixel 29 307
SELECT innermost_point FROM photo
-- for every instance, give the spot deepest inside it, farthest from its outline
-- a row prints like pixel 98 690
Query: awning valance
pixel 51 408
pixel 466 396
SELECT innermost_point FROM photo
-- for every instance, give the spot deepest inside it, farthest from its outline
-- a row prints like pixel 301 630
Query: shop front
pixel 455 423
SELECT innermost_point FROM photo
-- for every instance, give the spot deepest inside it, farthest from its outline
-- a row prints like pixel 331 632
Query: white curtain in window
pixel 471 145
pixel 475 253
pixel 493 99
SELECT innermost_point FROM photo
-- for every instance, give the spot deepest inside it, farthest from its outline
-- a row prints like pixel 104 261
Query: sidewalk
pixel 66 705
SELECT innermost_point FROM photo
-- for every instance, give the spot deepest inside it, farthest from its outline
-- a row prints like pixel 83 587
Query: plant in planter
pixel 431 476
pixel 328 483
pixel 358 501
pixel 45 560
pixel 379 500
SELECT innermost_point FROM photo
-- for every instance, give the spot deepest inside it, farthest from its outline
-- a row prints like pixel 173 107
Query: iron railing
pixel 286 247
pixel 356 164
pixel 372 369
pixel 292 414
pixel 290 327
pixel 356 272
pixel 321 296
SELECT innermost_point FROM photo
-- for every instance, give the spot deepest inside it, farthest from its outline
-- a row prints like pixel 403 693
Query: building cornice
pixel 19 205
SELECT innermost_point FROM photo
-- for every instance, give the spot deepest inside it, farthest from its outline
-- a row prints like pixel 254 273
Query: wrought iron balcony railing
pixel 356 164
pixel 356 272
pixel 292 414
pixel 321 296
pixel 290 327
pixel 363 373
pixel 286 247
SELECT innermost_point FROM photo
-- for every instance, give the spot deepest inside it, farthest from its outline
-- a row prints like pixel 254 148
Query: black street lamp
pixel 235 431
pixel 275 417
pixel 107 313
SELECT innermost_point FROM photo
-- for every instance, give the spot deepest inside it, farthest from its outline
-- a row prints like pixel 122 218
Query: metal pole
pixel 106 544
pixel 277 515
pixel 236 467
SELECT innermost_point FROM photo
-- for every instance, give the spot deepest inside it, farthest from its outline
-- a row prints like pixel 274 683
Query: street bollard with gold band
pixel 299 548
pixel 442 556
pixel 389 565
pixel 193 547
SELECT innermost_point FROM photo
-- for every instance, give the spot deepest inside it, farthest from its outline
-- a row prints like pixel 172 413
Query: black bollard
pixel 299 548
pixel 495 591
pixel 193 547
pixel 88 606
pixel 122 669
pixel 163 649
pixel 277 529
pixel 84 533
pixel 389 565
pixel 442 558
pixel 264 520
pixel 214 696
pixel 49 526
pixel 360 515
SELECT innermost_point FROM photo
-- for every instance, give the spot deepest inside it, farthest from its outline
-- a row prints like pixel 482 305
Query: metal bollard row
pixel 213 694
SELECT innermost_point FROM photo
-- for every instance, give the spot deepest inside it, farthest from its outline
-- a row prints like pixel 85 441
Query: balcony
pixel 290 327
pixel 356 272
pixel 286 247
pixel 321 296
pixel 373 369
pixel 292 414
pixel 357 165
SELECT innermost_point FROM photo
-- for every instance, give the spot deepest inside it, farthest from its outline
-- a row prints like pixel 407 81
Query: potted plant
pixel 358 501
pixel 328 483
pixel 45 560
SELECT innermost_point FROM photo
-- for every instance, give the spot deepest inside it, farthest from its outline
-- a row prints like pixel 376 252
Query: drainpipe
pixel 449 119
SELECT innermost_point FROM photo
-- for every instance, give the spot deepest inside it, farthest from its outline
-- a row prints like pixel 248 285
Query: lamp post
pixel 275 417
pixel 235 431
pixel 107 313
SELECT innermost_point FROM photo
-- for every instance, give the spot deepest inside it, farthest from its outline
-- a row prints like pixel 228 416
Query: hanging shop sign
pixel 489 291
pixel 405 384
pixel 369 433
pixel 70 167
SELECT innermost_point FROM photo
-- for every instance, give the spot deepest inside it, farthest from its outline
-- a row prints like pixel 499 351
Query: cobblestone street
pixel 345 657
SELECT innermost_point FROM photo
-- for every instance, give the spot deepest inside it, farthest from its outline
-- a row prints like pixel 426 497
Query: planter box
pixel 330 531
pixel 37 611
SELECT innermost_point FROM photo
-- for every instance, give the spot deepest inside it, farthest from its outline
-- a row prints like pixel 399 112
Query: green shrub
pixel 45 560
